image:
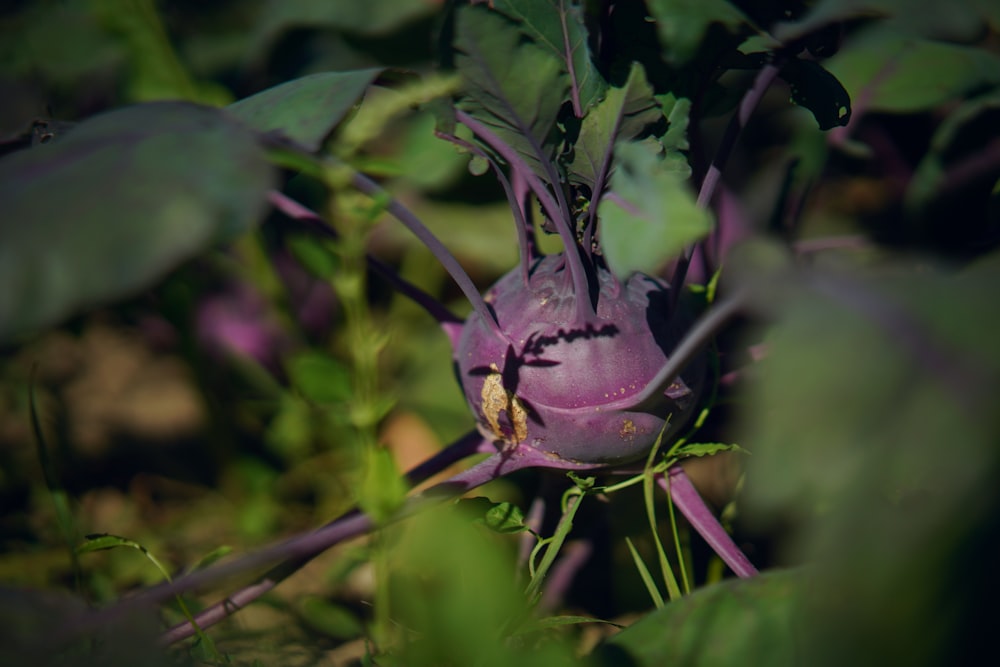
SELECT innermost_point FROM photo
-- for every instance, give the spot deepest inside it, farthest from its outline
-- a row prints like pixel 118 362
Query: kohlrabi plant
pixel 593 362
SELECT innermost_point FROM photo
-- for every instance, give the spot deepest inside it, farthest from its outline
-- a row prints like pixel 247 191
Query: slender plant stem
pixel 295 210
pixel 765 77
pixel 521 226
pixel 296 552
pixel 690 346
pixel 687 499
pixel 419 229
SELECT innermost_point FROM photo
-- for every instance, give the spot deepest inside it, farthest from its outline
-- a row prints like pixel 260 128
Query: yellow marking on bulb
pixel 496 399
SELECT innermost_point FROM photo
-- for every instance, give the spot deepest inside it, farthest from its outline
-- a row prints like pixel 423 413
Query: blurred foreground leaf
pixel 452 593
pixel 887 71
pixel 305 110
pixel 737 622
pixel 122 199
pixel 874 430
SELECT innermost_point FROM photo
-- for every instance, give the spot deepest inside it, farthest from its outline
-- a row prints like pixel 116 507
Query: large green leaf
pixel 118 202
pixel 887 71
pixel 513 86
pixel 558 26
pixel 651 214
pixel 305 110
pixel 624 114
pixel 736 622
pixel 873 430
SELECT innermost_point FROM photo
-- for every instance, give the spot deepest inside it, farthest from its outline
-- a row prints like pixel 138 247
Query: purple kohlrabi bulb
pixel 570 388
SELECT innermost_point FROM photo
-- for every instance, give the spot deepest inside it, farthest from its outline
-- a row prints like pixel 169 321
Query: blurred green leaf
pixel 654 215
pixel 887 71
pixel 735 622
pixel 872 429
pixel 626 113
pixel 959 20
pixel 371 17
pixel 932 172
pixel 494 60
pixel 683 24
pixel 157 71
pixel 315 255
pixel 320 377
pixel 819 91
pixel 122 199
pixel 383 487
pixel 706 449
pixel 452 594
pixel 331 619
pixel 307 109
pixel 550 622
pixel 558 26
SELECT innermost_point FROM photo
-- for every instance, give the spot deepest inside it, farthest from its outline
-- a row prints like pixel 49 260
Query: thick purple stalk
pixel 687 499
pixel 523 241
pixel 558 213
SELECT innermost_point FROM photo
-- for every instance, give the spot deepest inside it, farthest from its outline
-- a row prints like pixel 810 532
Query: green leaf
pixel 953 21
pixel 707 449
pixel 626 113
pixel 652 215
pixel 558 26
pixel 819 91
pixel 750 621
pixel 382 489
pixel 452 591
pixel 320 377
pixel 499 517
pixel 872 423
pixel 317 257
pixel 933 168
pixel 305 110
pixel 645 575
pixel 331 619
pixel 371 17
pixel 683 24
pixel 894 73
pixel 493 60
pixel 122 199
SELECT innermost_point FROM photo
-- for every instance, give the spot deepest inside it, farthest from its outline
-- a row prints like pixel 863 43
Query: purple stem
pixel 573 558
pixel 450 323
pixel 558 213
pixel 765 77
pixel 523 242
pixel 522 193
pixel 690 346
pixel 448 260
pixel 299 550
pixel 687 499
